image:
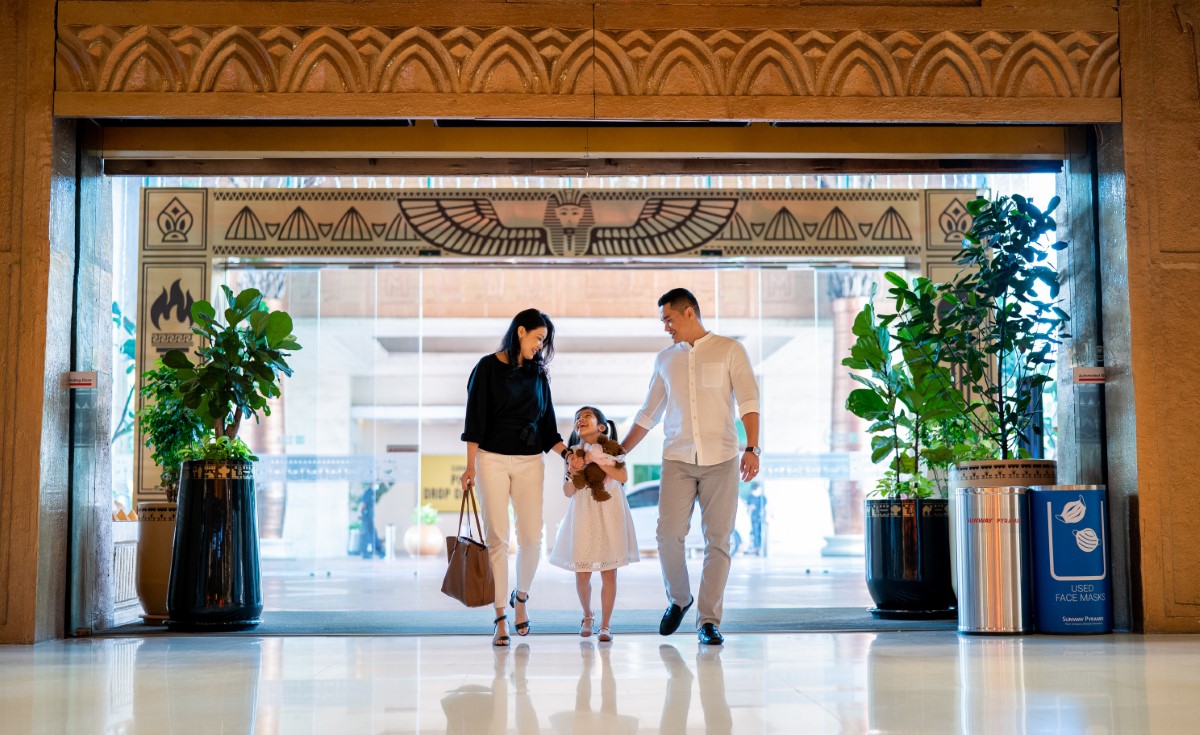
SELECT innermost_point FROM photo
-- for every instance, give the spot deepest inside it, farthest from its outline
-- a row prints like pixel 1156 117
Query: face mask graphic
pixel 1086 539
pixel 1073 512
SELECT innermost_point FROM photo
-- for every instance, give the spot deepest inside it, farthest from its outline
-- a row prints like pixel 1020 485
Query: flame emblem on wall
pixel 177 300
pixel 175 221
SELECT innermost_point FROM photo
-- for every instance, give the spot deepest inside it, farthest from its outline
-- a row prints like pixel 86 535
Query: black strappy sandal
pixel 522 628
pixel 499 641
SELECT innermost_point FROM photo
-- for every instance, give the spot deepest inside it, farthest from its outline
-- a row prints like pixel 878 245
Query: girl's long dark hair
pixel 607 428
pixel 510 345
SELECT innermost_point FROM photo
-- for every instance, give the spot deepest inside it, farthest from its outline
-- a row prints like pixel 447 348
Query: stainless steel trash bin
pixel 991 536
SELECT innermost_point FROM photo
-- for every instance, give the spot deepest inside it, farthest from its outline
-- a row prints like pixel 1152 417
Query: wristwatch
pixel 565 452
pixel 757 451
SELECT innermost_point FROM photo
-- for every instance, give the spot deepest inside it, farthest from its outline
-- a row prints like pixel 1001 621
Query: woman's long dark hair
pixel 607 428
pixel 510 345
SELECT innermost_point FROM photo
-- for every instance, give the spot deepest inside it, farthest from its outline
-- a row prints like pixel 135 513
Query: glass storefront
pixel 364 443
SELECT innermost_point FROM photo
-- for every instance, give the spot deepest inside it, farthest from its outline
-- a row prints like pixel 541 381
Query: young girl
pixel 595 536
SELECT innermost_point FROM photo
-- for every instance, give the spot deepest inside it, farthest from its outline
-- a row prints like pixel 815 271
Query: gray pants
pixel 716 487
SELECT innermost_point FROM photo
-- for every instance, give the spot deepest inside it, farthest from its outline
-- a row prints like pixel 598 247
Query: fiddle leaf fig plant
pixel 236 370
pixel 997 325
pixel 915 424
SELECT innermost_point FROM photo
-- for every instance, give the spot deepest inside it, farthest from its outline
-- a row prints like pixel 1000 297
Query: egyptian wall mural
pixel 570 223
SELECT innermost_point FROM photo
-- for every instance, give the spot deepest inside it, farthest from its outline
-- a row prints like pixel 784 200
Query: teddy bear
pixel 604 452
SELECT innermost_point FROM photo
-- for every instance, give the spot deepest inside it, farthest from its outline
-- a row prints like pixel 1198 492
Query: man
pixel 695 384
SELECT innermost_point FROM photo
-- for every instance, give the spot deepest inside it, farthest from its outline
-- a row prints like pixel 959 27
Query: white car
pixel 643 505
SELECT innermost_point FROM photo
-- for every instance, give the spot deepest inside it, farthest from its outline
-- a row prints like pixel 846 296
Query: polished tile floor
pixel 801 683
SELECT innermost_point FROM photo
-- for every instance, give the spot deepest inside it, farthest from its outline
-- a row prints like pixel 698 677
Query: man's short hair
pixel 680 299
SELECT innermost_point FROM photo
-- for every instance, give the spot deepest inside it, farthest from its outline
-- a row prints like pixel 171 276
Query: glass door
pixel 361 457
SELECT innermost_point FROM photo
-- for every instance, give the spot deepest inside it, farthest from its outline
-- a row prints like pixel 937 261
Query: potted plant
pixel 424 538
pixel 215 579
pixel 996 326
pixel 167 428
pixel 916 428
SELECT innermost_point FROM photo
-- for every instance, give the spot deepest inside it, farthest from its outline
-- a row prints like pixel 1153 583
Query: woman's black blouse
pixel 509 410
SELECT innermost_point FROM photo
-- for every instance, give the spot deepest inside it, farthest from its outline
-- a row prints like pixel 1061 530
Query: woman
pixel 510 423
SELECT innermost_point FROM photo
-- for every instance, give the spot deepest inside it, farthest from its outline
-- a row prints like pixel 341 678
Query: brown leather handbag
pixel 469 575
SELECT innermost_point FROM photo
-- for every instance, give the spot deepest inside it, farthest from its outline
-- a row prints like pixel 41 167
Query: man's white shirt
pixel 692 391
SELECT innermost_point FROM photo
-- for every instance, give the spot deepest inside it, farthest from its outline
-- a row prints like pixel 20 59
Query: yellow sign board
pixel 439 480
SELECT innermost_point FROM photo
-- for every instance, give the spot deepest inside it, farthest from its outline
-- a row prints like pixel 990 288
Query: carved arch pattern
pixel 545 61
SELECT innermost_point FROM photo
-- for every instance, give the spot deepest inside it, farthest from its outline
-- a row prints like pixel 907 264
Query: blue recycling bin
pixel 1071 572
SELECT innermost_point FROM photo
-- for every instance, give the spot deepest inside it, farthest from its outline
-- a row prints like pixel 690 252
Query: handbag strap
pixel 462 508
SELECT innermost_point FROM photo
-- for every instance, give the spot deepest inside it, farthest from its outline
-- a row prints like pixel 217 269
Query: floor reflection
pixel 475 709
pixel 584 720
pixel 175 689
pixel 812 683
pixel 677 703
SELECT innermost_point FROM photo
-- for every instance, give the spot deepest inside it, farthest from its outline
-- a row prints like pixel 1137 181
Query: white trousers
pixel 499 478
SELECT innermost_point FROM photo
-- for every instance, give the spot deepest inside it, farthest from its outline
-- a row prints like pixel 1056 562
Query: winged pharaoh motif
pixel 471 227
pixel 666 226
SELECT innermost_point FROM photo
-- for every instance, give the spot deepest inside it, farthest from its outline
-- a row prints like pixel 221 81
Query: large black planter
pixel 215 578
pixel 908 559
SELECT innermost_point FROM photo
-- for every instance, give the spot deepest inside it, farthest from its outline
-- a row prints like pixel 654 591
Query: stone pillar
pixel 91 477
pixel 1097 251
pixel 34 342
pixel 1079 438
pixel 1151 350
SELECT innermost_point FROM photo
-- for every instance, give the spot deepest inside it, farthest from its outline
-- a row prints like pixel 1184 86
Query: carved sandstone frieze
pixel 731 62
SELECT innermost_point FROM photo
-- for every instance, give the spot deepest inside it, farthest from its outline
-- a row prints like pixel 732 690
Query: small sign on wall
pixel 439 481
pixel 81 380
pixel 1089 375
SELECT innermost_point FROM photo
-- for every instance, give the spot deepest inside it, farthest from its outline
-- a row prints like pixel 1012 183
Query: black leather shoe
pixel 673 617
pixel 709 635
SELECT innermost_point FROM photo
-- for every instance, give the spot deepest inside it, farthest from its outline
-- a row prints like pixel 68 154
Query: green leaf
pixel 262 371
pixel 279 327
pixel 177 360
pixel 865 381
pixel 246 298
pixel 258 322
pixel 866 404
pixel 202 310
pixel 878 455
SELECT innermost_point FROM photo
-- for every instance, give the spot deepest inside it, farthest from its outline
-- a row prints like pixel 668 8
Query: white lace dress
pixel 595 536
